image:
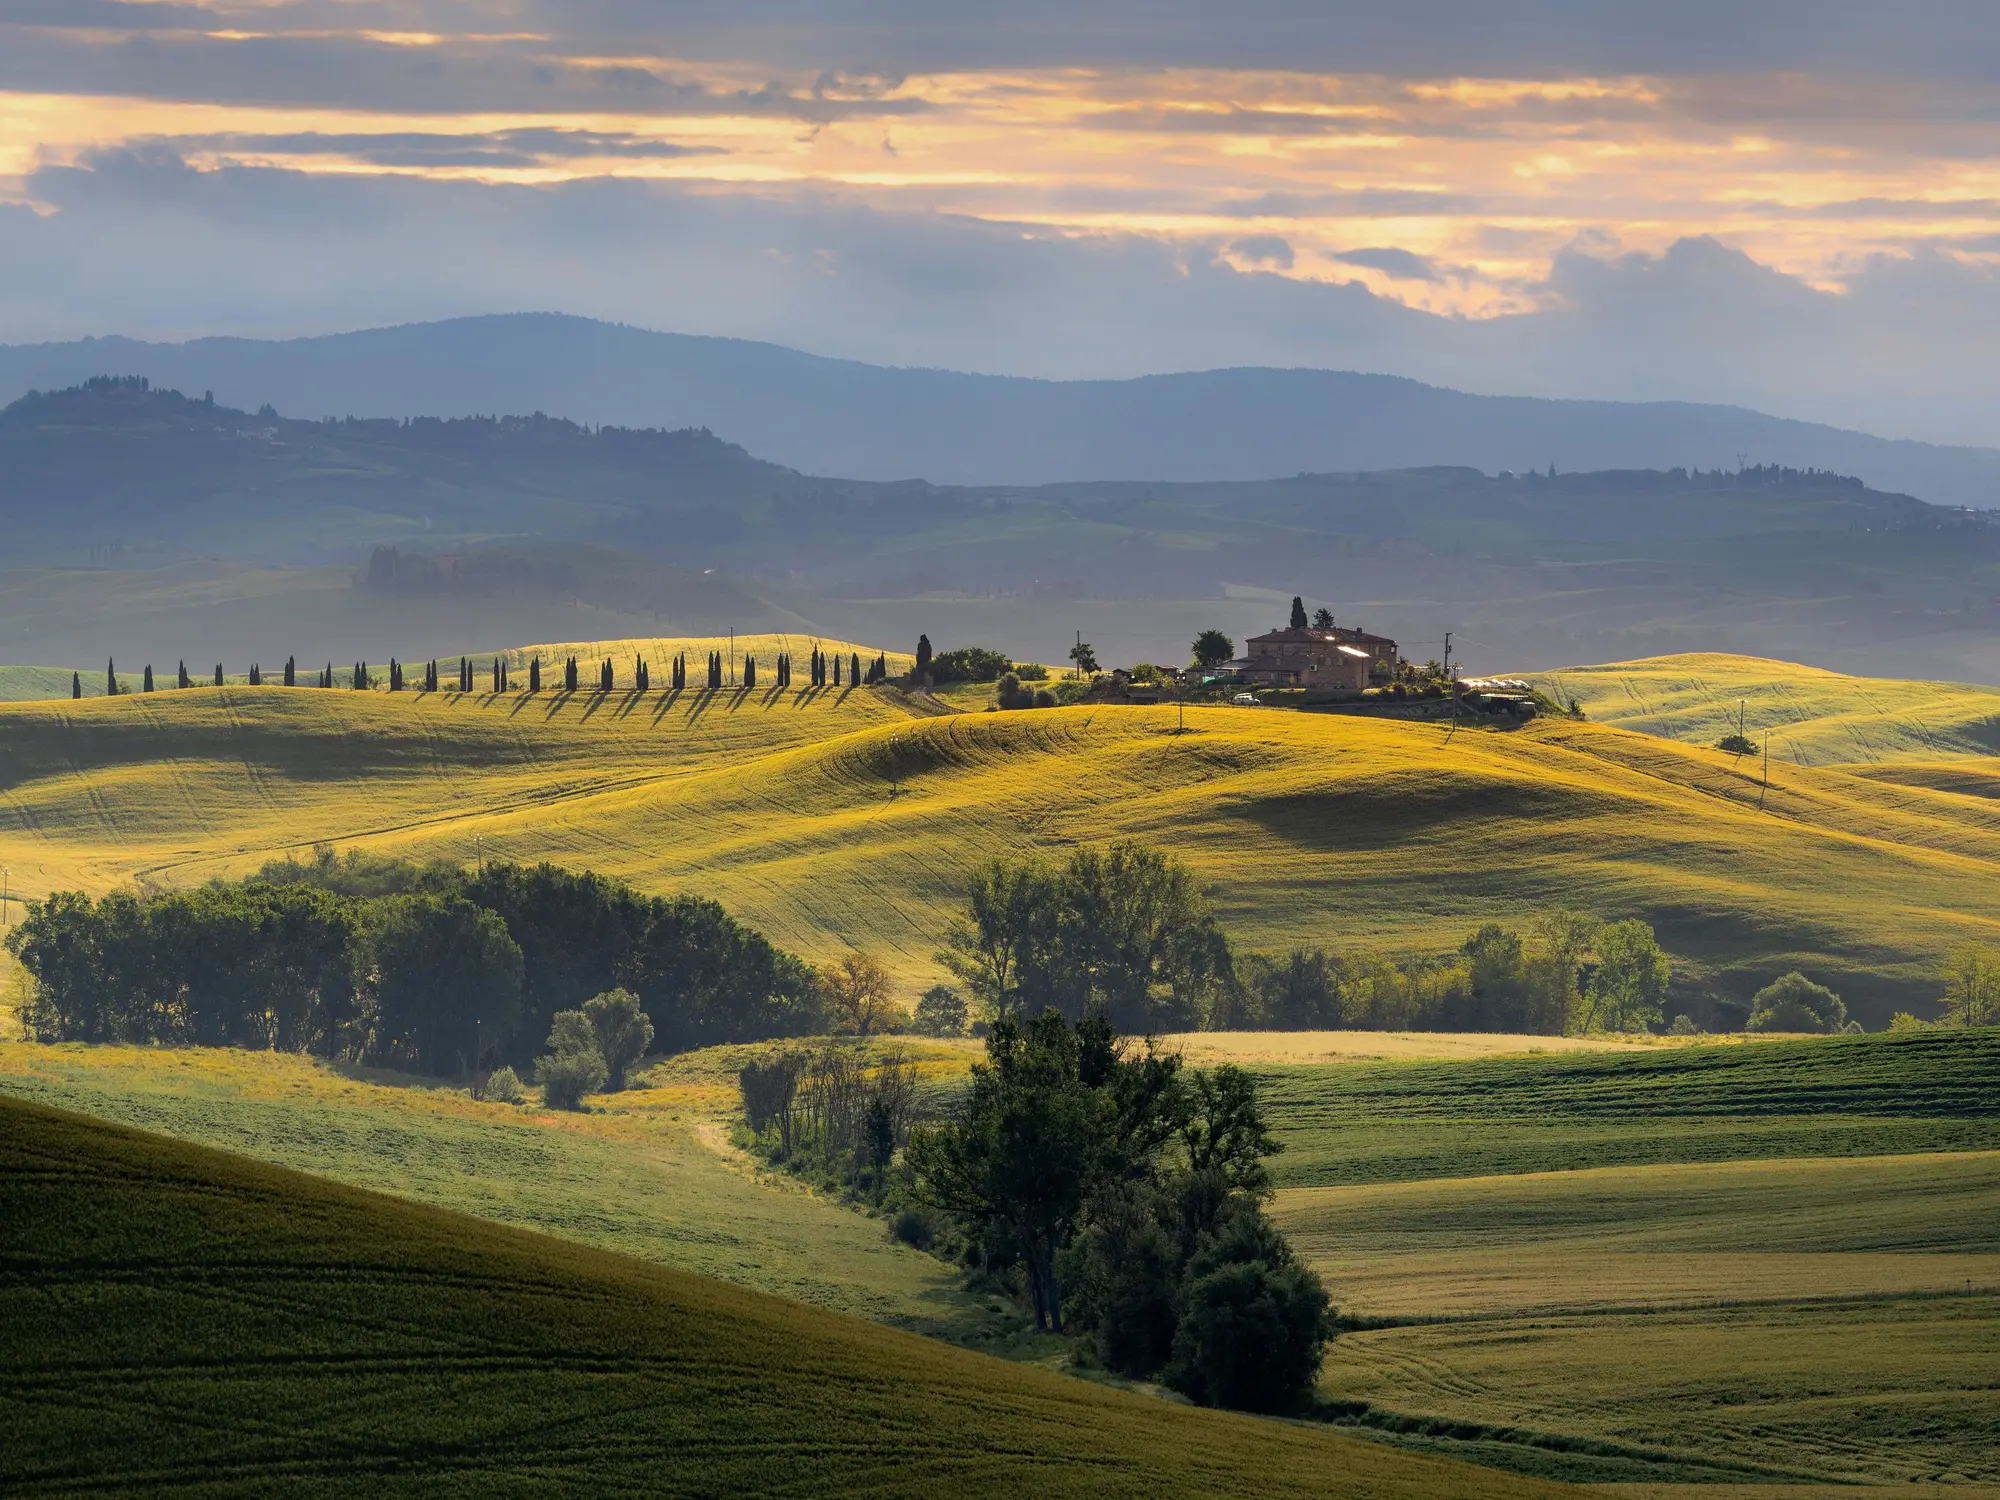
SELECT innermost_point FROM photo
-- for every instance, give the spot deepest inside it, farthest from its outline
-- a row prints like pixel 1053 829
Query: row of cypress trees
pixel 824 669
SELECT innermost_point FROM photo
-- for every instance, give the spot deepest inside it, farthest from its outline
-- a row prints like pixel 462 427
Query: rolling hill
pixel 1813 717
pixel 837 416
pixel 836 820
pixel 180 1319
pixel 1661 1260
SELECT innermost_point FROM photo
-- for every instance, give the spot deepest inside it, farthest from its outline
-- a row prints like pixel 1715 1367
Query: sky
pixel 1790 205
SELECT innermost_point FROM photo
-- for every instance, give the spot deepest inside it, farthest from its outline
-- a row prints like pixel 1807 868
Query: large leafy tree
pixel 1211 649
pixel 1629 985
pixel 1125 929
pixel 446 981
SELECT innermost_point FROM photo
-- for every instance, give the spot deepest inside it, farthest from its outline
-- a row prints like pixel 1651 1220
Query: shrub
pixel 1685 1025
pixel 1254 1323
pixel 1010 693
pixel 503 1086
pixel 915 1226
pixel 941 1012
pixel 1902 1020
pixel 573 1068
pixel 568 1078
pixel 1795 1003
pixel 968 664
pixel 1031 671
pixel 1735 744
pixel 1044 698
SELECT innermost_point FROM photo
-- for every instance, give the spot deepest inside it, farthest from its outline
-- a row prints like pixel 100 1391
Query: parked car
pixel 1245 700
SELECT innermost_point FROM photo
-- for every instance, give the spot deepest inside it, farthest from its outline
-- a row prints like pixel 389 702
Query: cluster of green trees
pixel 430 968
pixel 1128 931
pixel 1125 931
pixel 833 1113
pixel 1569 974
pixel 1123 1193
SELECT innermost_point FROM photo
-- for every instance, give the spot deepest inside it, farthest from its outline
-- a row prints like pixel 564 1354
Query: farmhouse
pixel 1335 658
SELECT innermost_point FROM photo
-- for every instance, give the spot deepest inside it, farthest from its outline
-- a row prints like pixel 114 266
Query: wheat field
pixel 849 818
pixel 1813 717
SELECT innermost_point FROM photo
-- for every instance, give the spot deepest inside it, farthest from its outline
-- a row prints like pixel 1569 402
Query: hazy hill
pixel 835 416
pixel 120 499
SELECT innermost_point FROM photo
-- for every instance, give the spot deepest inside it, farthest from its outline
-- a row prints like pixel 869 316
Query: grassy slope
pixel 1814 717
pixel 636 1176
pixel 1547 1266
pixel 845 818
pixel 179 1318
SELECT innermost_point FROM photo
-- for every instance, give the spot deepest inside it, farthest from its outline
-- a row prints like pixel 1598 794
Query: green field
pixel 638 1176
pixel 1647 1259
pixel 1882 1390
pixel 1832 1096
pixel 850 818
pixel 181 1320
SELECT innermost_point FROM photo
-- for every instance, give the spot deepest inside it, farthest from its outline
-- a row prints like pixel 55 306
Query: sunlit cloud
pixel 1406 171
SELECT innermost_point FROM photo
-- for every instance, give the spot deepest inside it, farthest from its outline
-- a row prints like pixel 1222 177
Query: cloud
pixel 1402 265
pixel 528 146
pixel 1263 250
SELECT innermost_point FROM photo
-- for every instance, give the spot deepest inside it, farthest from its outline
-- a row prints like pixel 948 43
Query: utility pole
pixel 1451 681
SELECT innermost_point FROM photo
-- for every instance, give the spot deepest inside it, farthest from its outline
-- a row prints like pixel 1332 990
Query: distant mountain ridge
pixel 841 417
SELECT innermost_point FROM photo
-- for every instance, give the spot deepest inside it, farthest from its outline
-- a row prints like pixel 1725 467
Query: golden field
pixel 837 819
pixel 1813 717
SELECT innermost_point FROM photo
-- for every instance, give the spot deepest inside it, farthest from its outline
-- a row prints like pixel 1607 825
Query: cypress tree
pixel 854 669
pixel 326 677
pixel 604 676
pixel 218 674
pixel 291 671
pixel 149 678
pixel 749 671
pixel 76 684
pixel 256 675
pixel 183 680
pixel 569 675
pixel 110 678
pixel 836 671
